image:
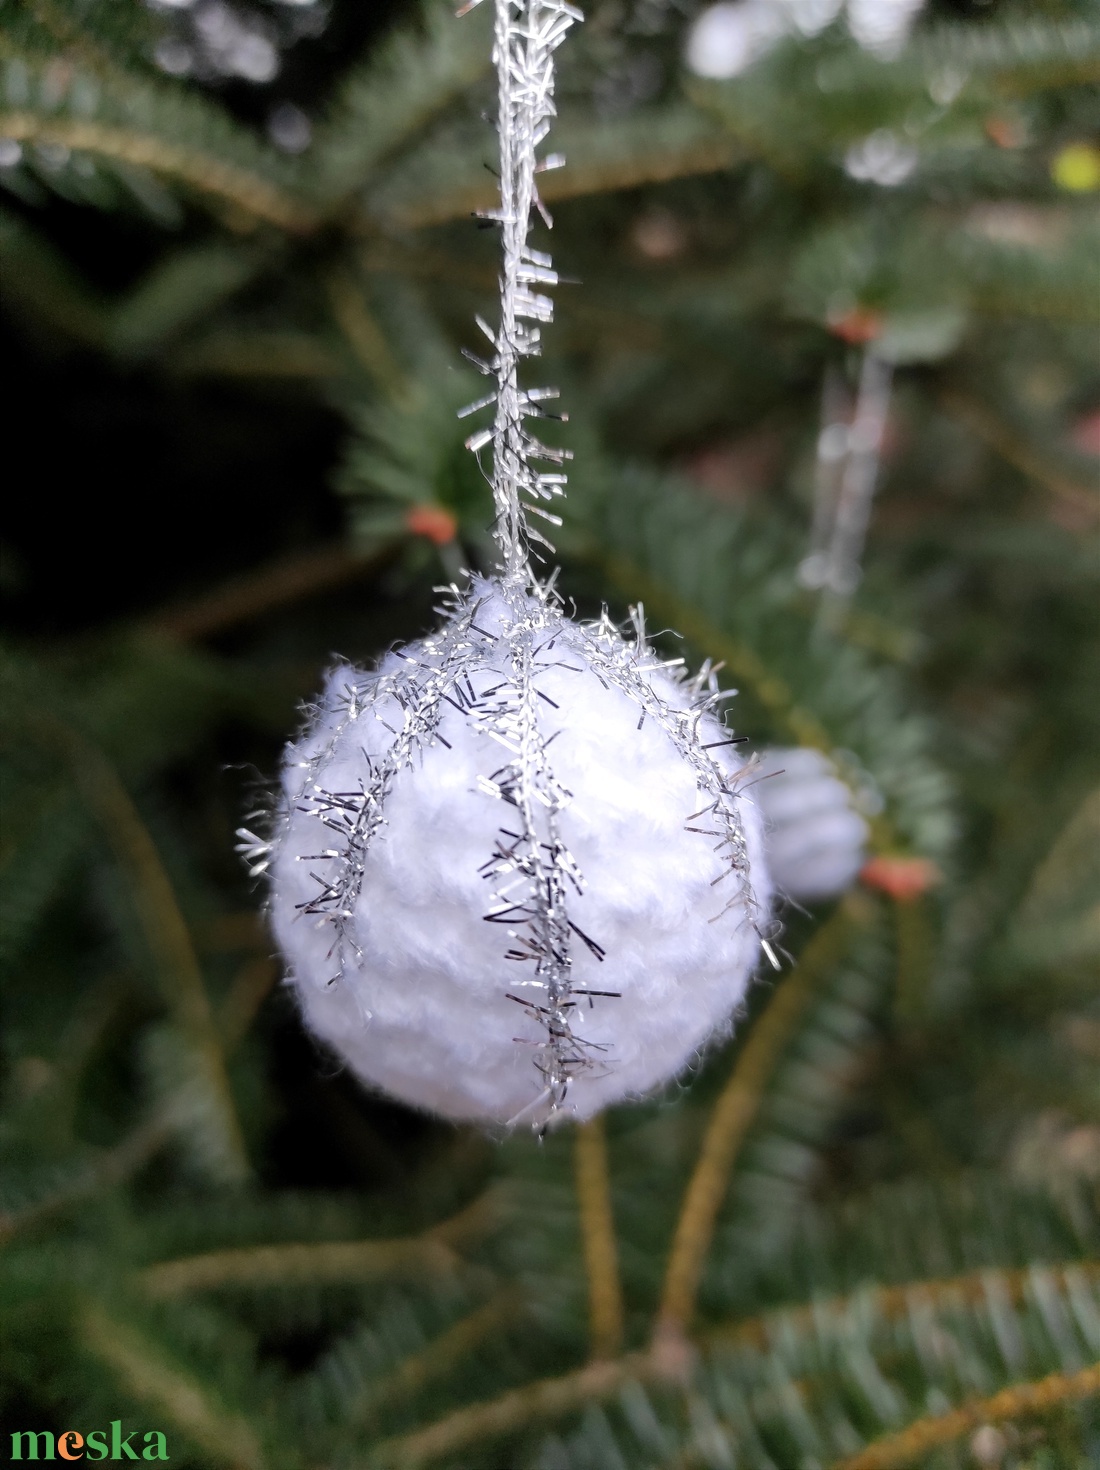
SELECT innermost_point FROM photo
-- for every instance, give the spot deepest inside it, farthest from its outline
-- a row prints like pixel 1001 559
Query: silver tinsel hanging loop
pixel 526 35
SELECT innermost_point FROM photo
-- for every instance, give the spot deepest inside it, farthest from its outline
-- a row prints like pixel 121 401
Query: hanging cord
pixel 527 33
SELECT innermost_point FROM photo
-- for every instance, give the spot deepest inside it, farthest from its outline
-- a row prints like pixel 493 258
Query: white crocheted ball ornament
pixel 515 877
pixel 815 839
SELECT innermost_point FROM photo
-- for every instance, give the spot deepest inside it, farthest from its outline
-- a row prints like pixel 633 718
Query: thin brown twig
pixel 547 1399
pixel 365 336
pixel 319 1263
pixel 601 1256
pixel 733 1114
pixel 439 1356
pixel 250 987
pixel 914 955
pixel 329 1262
pixel 288 579
pixel 909 1446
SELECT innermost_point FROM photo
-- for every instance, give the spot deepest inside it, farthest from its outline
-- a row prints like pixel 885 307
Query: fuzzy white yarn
pixel 815 840
pixel 422 1009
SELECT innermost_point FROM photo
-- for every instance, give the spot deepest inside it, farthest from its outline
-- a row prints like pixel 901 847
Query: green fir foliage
pixel 205 1228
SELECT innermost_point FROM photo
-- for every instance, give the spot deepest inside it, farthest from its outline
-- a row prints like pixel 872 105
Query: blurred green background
pixel 239 269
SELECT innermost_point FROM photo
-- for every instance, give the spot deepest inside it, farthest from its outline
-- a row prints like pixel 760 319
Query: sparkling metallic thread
pixel 526 35
pixel 491 676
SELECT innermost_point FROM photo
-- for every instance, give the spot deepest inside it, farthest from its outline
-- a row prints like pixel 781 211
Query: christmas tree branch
pixel 109 1168
pixel 730 1121
pixel 363 333
pixel 602 158
pixel 285 580
pixel 243 354
pixel 914 956
pixel 226 1438
pixel 433 1252
pixel 39 281
pixel 440 1355
pixel 165 929
pixel 115 1165
pixel 909 1446
pixel 333 1262
pixel 549 1398
pixel 893 1302
pixel 398 92
pixel 601 1257
pixel 255 196
pixel 249 989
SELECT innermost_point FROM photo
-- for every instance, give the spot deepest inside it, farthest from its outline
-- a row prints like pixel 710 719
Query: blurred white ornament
pixel 882 26
pixel 814 839
pixel 727 38
pixel 210 38
pixel 289 128
pixel 881 158
pixel 811 16
pixel 173 57
pixel 252 57
pixel 515 872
